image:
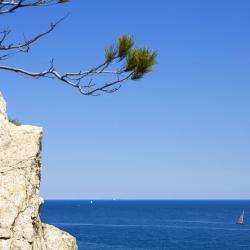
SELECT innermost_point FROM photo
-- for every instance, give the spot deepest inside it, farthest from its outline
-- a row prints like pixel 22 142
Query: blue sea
pixel 148 225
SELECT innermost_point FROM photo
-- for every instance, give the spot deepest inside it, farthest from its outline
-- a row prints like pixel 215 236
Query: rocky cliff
pixel 20 203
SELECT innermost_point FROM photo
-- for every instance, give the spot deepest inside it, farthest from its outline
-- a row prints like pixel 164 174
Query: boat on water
pixel 241 219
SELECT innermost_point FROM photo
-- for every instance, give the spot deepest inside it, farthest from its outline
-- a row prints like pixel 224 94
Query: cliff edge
pixel 20 203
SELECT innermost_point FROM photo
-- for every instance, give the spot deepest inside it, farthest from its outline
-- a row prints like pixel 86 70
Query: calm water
pixel 137 225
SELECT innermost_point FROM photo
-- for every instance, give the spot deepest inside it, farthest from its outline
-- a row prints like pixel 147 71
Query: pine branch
pixel 131 63
pixel 9 6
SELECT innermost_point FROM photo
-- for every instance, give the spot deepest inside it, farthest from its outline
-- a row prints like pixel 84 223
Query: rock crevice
pixel 20 203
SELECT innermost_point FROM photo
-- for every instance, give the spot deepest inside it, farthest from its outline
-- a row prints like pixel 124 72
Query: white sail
pixel 241 218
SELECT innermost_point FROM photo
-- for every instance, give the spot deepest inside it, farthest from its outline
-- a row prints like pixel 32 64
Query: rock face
pixel 20 204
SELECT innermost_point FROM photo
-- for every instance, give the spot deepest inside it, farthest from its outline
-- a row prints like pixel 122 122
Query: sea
pixel 151 224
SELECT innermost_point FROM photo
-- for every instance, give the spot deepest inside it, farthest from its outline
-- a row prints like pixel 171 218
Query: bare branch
pixel 89 89
pixel 25 46
pixel 9 6
pixel 14 5
pixel 4 34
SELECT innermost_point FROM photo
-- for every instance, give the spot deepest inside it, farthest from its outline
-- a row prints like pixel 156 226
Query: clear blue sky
pixel 182 132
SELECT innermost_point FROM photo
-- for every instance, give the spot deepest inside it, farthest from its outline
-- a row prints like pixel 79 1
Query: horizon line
pixel 140 199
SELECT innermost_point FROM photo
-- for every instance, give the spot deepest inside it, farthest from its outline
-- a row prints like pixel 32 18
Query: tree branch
pixel 88 89
pixel 133 63
pixel 7 7
pixel 25 45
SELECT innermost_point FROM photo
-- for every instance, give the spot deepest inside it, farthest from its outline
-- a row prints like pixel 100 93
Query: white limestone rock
pixel 20 203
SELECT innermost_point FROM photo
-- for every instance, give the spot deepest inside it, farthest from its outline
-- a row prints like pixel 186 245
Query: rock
pixel 20 203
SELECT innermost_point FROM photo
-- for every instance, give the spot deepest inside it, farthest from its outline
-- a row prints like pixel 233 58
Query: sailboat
pixel 241 219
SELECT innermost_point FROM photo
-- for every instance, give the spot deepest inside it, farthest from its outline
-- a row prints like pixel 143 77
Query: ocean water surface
pixel 149 225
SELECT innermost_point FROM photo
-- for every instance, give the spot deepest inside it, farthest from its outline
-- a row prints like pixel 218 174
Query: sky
pixel 182 132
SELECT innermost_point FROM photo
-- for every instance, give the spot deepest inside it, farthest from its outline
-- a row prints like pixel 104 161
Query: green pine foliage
pixel 125 44
pixel 138 61
pixel 110 53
